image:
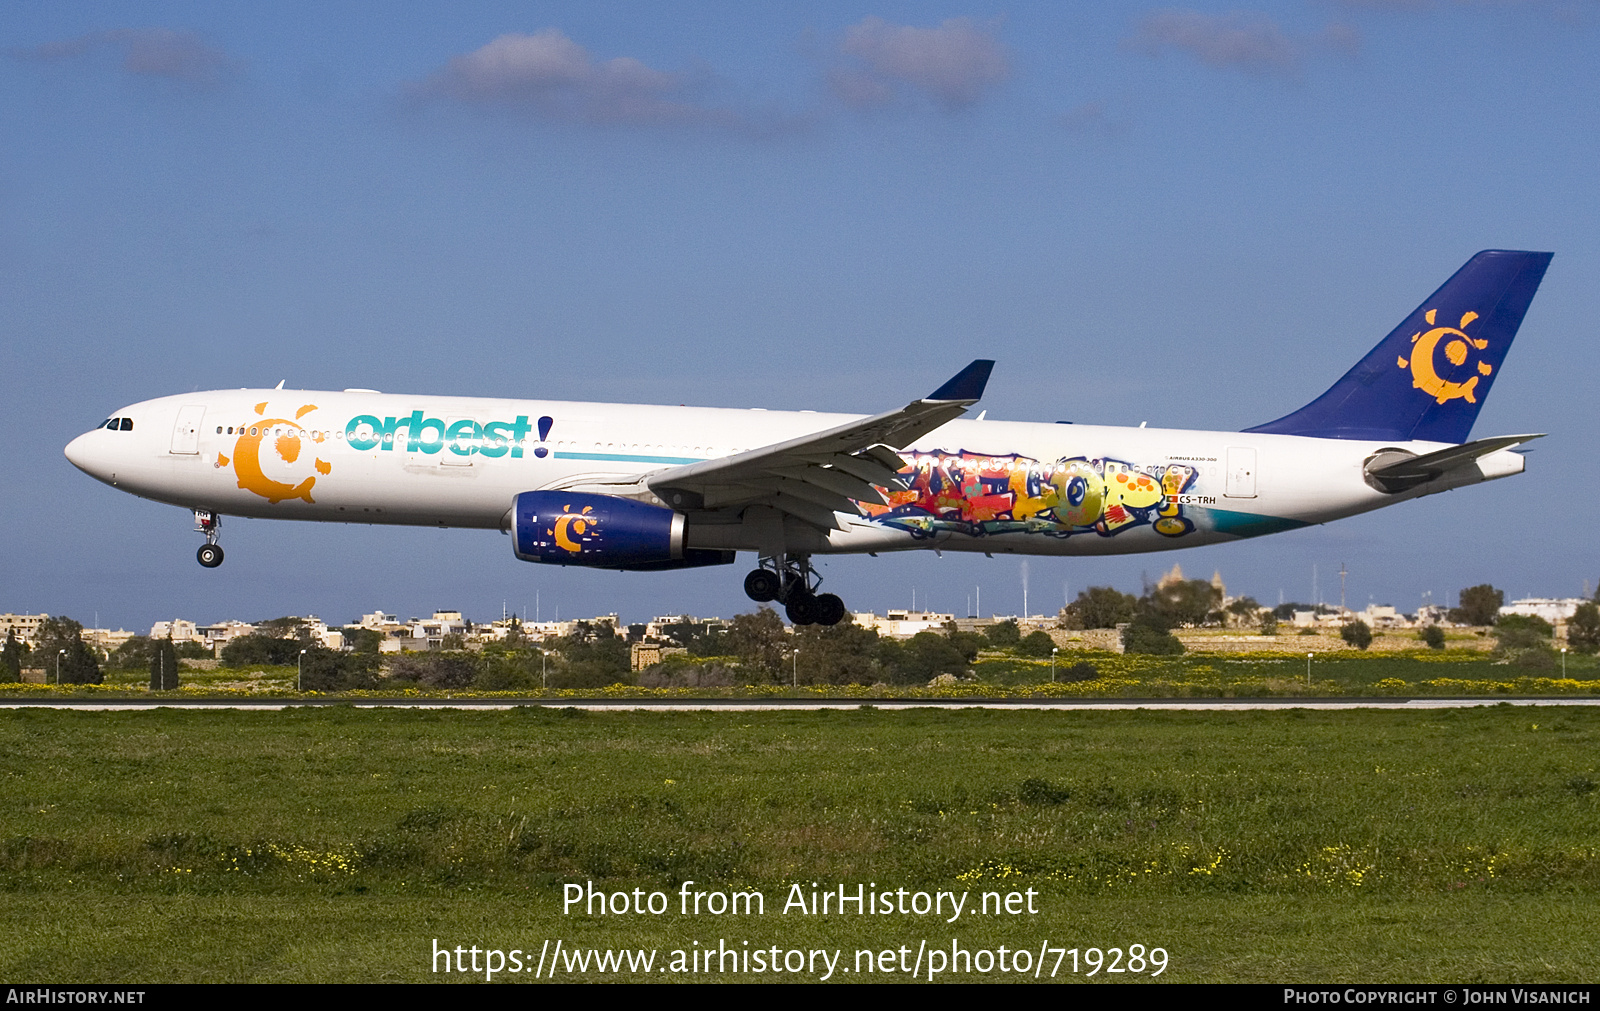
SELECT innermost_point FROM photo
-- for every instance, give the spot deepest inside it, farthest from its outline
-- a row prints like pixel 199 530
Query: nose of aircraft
pixel 86 456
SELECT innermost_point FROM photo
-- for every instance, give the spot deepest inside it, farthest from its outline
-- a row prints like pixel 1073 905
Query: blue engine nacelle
pixel 602 531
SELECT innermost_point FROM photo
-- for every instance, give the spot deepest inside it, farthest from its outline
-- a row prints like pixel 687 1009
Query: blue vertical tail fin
pixel 1428 378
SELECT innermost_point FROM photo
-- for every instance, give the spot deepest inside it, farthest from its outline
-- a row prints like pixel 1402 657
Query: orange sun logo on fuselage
pixel 1425 345
pixel 286 439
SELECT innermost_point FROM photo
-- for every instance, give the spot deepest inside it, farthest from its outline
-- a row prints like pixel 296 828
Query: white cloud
pixel 1247 41
pixel 953 64
pixel 550 76
pixel 167 53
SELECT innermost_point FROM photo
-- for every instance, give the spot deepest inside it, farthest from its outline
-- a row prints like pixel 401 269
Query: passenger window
pixel 127 424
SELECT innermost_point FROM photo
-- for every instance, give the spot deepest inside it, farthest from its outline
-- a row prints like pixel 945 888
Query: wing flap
pixel 836 481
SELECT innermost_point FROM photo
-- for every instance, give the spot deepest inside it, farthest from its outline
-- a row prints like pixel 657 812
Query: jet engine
pixel 604 532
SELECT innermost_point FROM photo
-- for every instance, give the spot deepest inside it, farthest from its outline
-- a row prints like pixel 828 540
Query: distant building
pixel 904 624
pixel 1432 614
pixel 430 633
pixel 223 632
pixel 1555 611
pixel 646 654
pixel 25 625
pixel 180 629
pixel 1383 616
pixel 106 640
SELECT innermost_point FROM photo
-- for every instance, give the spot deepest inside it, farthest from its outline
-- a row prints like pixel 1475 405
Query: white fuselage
pixel 367 457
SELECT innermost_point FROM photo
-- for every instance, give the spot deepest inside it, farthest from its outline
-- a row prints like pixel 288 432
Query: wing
pixel 816 476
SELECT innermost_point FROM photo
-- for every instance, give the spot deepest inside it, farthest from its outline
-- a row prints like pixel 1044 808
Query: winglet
pixel 967 384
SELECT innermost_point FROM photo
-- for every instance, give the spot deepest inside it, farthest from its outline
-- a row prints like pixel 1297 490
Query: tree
pixel 700 638
pixel 1003 634
pixel 63 653
pixel 133 654
pixel 925 656
pixel 515 637
pixel 1139 637
pixel 285 628
pixel 1151 632
pixel 1478 605
pixel 247 650
pixel 1583 629
pixel 1522 631
pixel 11 657
pixel 163 665
pixel 592 657
pixel 1103 607
pixel 1433 635
pixel 329 670
pixel 501 669
pixel 1269 622
pixel 1037 645
pixel 366 640
pixel 1183 602
pixel 758 639
pixel 1357 633
pixel 842 654
pixel 1243 609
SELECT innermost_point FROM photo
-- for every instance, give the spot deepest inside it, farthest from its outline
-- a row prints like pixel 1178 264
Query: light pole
pixel 796 680
pixel 1563 661
pixel 1053 651
pixel 544 681
pixel 1308 670
pixel 59 654
pixel 299 669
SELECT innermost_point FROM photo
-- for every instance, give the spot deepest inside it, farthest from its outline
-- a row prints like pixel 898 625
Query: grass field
pixel 336 844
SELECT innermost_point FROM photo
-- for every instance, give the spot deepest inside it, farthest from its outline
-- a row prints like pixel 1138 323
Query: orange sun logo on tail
pixel 281 476
pixel 1424 345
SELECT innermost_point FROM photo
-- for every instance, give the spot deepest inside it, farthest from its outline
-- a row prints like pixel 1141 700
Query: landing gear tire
pixel 829 609
pixel 209 555
pixel 762 586
pixel 801 609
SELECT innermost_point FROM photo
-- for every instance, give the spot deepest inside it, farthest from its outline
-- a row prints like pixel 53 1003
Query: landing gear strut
pixel 792 581
pixel 210 524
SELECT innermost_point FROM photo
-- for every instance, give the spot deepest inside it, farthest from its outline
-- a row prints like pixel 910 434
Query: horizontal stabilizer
pixel 1396 470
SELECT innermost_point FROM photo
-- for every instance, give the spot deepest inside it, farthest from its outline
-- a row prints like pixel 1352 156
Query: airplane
pixel 641 487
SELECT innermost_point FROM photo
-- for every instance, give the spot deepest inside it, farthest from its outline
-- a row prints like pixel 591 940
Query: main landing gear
pixel 790 580
pixel 210 524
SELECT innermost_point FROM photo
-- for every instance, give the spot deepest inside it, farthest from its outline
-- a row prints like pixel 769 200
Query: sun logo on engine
pixel 573 525
pixel 1425 377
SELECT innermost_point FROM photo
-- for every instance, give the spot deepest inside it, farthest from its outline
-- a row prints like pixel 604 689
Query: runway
pixel 802 705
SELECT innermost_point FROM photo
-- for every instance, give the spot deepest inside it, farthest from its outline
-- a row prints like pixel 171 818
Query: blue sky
pixel 1197 217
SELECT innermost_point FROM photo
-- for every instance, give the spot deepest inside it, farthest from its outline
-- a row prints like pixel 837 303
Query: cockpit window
pixel 110 423
pixel 127 424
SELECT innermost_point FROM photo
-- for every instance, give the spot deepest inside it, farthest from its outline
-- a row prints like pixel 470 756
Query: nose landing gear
pixel 210 524
pixel 790 580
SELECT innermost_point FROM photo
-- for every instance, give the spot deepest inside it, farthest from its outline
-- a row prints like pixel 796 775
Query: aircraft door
pixel 186 433
pixel 1241 477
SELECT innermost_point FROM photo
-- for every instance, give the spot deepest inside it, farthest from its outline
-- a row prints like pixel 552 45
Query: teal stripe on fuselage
pixel 625 457
pixel 1237 524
